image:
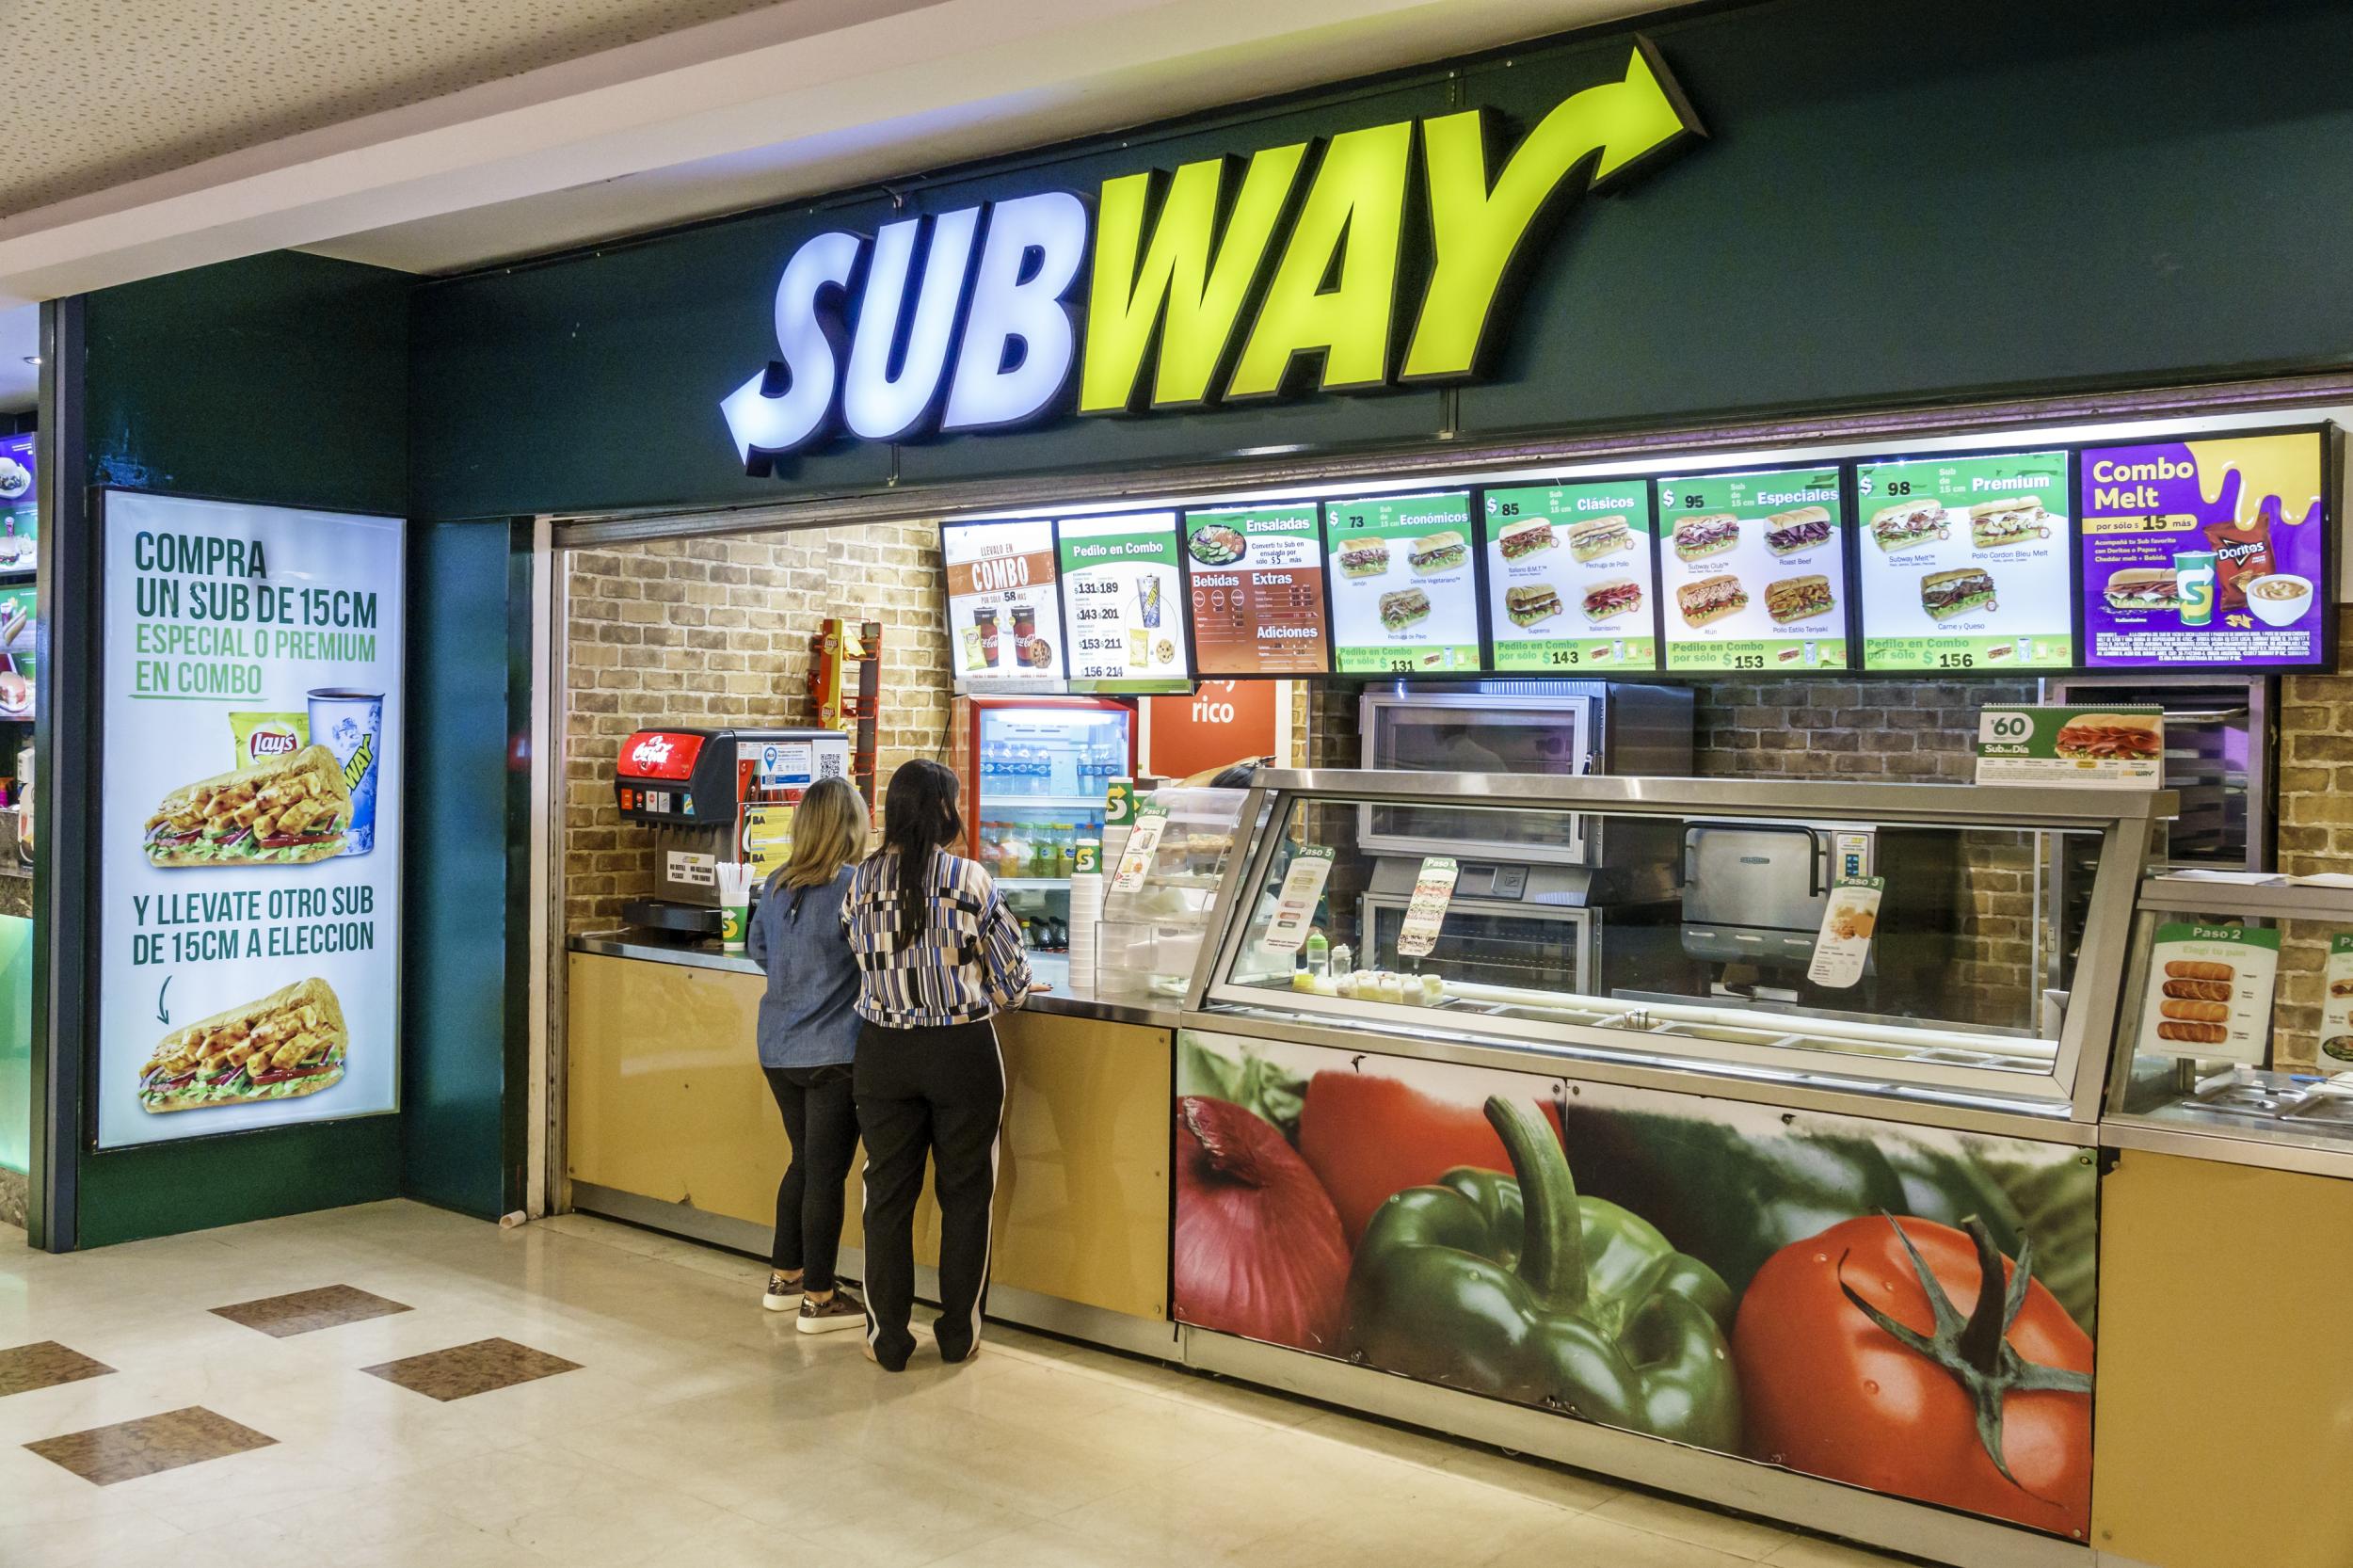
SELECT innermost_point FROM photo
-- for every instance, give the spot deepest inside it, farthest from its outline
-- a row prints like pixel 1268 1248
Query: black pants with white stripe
pixel 938 1093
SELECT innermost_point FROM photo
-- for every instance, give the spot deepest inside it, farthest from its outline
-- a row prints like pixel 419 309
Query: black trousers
pixel 938 1093
pixel 820 1119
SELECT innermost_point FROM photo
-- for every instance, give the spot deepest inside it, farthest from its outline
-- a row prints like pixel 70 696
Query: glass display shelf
pixel 1880 935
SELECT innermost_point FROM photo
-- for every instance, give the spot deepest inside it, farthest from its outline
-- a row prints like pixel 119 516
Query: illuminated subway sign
pixel 956 320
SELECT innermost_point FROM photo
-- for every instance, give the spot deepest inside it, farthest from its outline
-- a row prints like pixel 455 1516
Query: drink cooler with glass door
pixel 1034 771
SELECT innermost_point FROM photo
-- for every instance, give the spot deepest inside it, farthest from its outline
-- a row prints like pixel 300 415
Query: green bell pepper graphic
pixel 1522 1290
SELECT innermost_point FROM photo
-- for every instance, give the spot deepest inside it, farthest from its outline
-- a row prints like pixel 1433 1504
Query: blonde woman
pixel 809 1033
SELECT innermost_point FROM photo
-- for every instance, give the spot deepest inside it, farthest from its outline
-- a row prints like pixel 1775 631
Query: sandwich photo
pixel 289 1043
pixel 1798 598
pixel 2184 1032
pixel 1599 536
pixel 2144 588
pixel 2199 990
pixel 1711 598
pixel 1947 594
pixel 1995 523
pixel 1535 533
pixel 1402 607
pixel 1537 602
pixel 1368 557
pixel 1908 522
pixel 2338 1048
pixel 2200 969
pixel 1786 532
pixel 2090 736
pixel 2341 987
pixel 284 810
pixel 1708 533
pixel 1604 600
pixel 1436 553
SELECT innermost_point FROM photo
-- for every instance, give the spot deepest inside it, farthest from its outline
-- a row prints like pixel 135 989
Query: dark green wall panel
pixel 1899 202
pixel 466 874
pixel 282 379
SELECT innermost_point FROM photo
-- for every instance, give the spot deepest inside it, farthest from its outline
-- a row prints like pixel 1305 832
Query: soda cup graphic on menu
pixel 350 725
pixel 2194 570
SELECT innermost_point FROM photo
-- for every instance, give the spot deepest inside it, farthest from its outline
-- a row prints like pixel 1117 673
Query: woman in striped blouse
pixel 939 955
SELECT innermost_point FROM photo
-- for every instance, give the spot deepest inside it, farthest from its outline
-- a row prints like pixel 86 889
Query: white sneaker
pixel 782 1295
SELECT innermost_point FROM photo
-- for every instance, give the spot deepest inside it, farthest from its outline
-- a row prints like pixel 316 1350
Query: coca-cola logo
pixel 651 751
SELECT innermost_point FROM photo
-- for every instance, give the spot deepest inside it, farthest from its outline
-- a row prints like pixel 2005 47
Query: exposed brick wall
pixel 2315 834
pixel 716 631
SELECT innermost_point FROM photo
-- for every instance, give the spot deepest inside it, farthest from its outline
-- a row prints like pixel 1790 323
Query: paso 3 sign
pixel 1240 268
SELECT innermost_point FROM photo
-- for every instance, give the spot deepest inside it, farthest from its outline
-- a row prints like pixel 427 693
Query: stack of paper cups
pixel 1086 912
pixel 734 879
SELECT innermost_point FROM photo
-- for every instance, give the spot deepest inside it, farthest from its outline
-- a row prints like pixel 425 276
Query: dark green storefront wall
pixel 283 379
pixel 1898 204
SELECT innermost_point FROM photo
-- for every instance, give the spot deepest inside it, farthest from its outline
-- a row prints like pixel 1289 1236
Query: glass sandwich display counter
pixel 1860 938
pixel 2235 1041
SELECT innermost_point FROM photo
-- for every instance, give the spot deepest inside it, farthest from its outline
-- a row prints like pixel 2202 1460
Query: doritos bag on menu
pixel 2242 552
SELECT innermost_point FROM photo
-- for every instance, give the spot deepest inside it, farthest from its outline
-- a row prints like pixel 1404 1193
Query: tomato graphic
pixel 1855 1365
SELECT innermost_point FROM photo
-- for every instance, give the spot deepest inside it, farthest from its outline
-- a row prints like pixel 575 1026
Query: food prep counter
pixel 1717 1224
pixel 669 1124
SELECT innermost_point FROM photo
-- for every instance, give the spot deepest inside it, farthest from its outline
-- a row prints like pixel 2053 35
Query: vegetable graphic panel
pixel 1664 1263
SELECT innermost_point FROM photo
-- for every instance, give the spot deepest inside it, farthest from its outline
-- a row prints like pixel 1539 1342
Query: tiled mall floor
pixel 392 1384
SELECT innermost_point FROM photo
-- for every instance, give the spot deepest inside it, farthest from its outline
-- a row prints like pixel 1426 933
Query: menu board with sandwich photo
pixel 2205 552
pixel 20 501
pixel 1404 588
pixel 1256 578
pixel 19 638
pixel 1752 570
pixel 1570 577
pixel 1123 603
pixel 1004 616
pixel 1966 562
pixel 250 817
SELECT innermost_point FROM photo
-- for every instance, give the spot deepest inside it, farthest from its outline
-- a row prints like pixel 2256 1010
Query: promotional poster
pixel 1004 618
pixel 1123 603
pixel 1258 590
pixel 1404 588
pixel 19 503
pixel 1966 562
pixel 249 911
pixel 1570 577
pixel 1826 1293
pixel 2204 552
pixel 1753 567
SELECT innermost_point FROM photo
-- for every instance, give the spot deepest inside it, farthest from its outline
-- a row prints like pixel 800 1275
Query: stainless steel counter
pixel 1052 968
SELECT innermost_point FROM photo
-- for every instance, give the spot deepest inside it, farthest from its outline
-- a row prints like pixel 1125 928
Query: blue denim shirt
pixel 806 1016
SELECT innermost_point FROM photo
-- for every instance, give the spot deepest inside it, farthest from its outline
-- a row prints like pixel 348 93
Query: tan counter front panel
pixel 664 1100
pixel 2225 1407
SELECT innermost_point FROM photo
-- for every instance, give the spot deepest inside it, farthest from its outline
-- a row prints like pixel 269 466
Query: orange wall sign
pixel 1223 721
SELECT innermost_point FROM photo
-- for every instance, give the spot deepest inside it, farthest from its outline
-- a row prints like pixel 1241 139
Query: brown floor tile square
pixel 329 1307
pixel 105 1455
pixel 475 1368
pixel 45 1365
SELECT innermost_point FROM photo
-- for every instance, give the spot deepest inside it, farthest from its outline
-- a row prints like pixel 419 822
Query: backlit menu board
pixel 1404 590
pixel 1570 576
pixel 1754 570
pixel 1123 603
pixel 1966 562
pixel 1256 574
pixel 18 503
pixel 1004 620
pixel 2204 552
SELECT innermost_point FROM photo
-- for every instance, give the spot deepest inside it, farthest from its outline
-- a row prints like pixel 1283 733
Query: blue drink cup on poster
pixel 350 725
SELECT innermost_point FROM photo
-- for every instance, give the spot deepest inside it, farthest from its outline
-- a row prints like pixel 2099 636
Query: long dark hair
pixel 918 816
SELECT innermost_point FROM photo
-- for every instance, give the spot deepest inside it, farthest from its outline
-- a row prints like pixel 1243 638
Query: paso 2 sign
pixel 1240 268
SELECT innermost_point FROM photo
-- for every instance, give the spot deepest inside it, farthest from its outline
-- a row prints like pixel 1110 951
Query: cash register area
pixel 397 1385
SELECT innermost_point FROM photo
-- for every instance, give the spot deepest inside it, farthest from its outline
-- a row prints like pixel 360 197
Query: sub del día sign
pixel 955 321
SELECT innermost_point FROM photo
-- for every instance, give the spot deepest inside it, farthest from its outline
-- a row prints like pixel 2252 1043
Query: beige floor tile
pixel 98 1543
pixel 1721 1532
pixel 1807 1552
pixel 1546 1482
pixel 613 1529
pixel 1584 1540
